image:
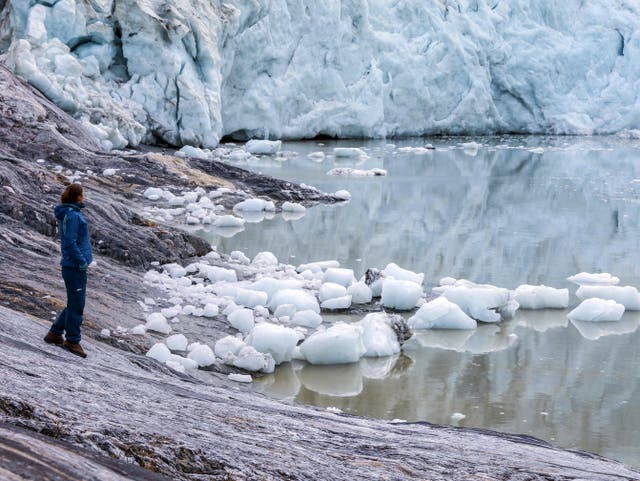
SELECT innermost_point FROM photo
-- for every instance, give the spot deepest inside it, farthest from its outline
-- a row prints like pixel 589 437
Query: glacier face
pixel 192 71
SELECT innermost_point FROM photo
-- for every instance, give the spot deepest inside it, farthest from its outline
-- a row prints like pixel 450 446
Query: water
pixel 502 215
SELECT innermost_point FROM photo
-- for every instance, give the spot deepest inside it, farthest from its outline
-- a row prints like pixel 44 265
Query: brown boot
pixel 53 338
pixel 74 348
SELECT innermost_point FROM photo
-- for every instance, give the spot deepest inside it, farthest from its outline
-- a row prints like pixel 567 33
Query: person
pixel 76 257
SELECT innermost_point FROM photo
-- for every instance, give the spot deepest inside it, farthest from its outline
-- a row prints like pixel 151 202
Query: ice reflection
pixel 595 330
pixel 542 320
pixel 486 338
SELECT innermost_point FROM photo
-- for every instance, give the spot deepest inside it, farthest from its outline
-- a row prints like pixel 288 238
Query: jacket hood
pixel 63 209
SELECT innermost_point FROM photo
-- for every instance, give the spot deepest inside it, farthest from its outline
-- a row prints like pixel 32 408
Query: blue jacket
pixel 74 236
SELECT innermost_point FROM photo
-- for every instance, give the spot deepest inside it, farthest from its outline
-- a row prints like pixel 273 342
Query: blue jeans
pixel 70 319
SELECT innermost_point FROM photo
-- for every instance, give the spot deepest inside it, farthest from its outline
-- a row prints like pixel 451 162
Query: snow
pixel 203 355
pixel 273 339
pixel 541 297
pixel 343 302
pixel 177 342
pixel 401 295
pixel 360 293
pixel 587 279
pixel 441 314
pixel 243 378
pixel 597 310
pixel 306 318
pixel 242 320
pixel 337 275
pixel 263 147
pixel 158 323
pixel 299 298
pixel 159 352
pixel 398 273
pixel 339 344
pixel 628 296
pixel 330 290
pixel 378 336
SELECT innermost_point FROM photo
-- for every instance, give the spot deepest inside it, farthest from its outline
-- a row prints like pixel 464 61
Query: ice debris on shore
pixel 349 172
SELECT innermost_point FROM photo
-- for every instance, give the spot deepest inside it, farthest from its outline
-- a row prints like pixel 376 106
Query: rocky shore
pixel 121 415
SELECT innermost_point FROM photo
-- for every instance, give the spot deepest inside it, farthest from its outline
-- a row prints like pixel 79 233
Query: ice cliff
pixel 193 71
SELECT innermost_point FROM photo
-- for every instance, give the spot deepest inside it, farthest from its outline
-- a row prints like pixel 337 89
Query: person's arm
pixel 69 240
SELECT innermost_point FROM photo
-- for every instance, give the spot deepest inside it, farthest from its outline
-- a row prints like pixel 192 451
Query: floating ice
pixel 360 293
pixel 378 336
pixel 628 296
pixel 457 417
pixel 318 156
pixel 251 205
pixel 339 344
pixel 600 279
pixel 477 301
pixel 177 342
pixel 400 274
pixel 243 378
pixel 343 302
pixel 293 207
pixel 242 319
pixel 401 295
pixel 157 322
pixel 541 297
pixel 299 298
pixel 441 314
pixel 349 152
pixel 336 275
pixel 349 172
pixel 228 221
pixel 278 341
pixel 263 147
pixel 597 310
pixel 342 195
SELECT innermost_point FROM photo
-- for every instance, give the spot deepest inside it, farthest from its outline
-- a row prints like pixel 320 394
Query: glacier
pixel 191 72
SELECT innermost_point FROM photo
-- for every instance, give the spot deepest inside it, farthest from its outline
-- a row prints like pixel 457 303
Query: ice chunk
pixel 343 302
pixel 210 310
pixel 139 330
pixel 349 172
pixel 109 172
pixel 242 319
pixel 265 259
pixel 339 344
pixel 183 361
pixel 263 147
pixel 447 281
pixel 153 193
pixel 306 318
pixel 158 323
pixel 270 286
pixel 276 340
pixel 402 295
pixel 243 378
pixel 478 301
pixel 251 359
pixel 228 221
pixel 175 270
pixel 228 347
pixel 349 152
pixel 628 296
pixel 378 336
pixel 170 312
pixel 177 342
pixel 105 333
pixel 317 266
pixel 159 352
pixel 601 279
pixel 360 293
pixel 597 310
pixel 441 314
pixel 293 207
pixel 250 298
pixel 400 274
pixel 331 290
pixel 317 156
pixel 299 298
pixel 285 310
pixel 239 257
pixel 344 277
pixel 217 274
pixel 194 152
pixel 250 205
pixel 342 195
pixel 203 355
pixel 541 297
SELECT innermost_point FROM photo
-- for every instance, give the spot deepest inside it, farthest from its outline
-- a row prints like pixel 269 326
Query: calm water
pixel 502 215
